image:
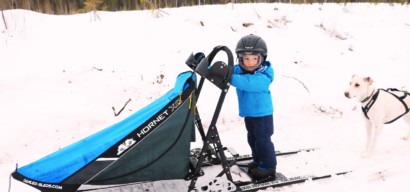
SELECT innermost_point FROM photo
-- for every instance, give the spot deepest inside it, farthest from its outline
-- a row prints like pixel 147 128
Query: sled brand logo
pixel 175 105
pixel 44 185
pixel 152 125
pixel 124 146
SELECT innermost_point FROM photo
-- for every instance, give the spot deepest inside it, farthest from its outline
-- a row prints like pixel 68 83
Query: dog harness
pixel 366 108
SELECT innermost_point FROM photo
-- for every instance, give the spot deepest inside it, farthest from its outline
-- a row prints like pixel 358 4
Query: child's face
pixel 250 61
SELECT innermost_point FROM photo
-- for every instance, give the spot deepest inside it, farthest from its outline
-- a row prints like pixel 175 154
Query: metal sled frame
pixel 220 74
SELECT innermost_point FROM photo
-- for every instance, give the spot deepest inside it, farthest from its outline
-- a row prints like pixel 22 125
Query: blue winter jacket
pixel 253 93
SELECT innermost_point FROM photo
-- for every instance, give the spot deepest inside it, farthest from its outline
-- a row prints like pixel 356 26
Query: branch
pixel 123 107
pixel 4 19
pixel 163 11
pixel 247 24
pixel 335 113
pixel 298 81
pixel 158 13
pixel 257 14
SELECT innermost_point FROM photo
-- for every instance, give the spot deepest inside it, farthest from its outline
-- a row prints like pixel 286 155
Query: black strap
pixel 366 108
pixel 401 99
pixel 369 105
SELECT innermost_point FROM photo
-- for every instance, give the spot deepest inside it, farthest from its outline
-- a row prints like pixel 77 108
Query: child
pixel 252 78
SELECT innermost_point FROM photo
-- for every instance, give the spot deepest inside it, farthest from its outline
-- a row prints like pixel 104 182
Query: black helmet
pixel 251 44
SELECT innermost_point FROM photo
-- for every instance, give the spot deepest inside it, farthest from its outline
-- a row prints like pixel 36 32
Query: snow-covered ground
pixel 60 77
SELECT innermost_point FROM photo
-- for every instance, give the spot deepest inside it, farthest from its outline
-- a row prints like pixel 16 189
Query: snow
pixel 61 76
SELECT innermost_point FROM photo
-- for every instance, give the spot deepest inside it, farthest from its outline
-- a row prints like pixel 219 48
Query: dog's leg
pixel 366 152
pixel 377 128
pixel 407 119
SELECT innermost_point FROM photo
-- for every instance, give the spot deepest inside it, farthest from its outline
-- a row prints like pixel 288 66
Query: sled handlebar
pixel 221 48
pixel 219 73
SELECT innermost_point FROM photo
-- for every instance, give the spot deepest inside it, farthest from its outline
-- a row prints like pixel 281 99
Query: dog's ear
pixel 369 80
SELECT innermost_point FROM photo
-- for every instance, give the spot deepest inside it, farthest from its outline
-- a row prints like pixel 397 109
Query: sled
pixel 150 145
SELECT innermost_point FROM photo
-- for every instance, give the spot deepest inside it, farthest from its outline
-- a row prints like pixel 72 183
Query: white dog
pixel 379 107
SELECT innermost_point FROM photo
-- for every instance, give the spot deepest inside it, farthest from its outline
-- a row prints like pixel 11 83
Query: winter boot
pixel 251 166
pixel 262 173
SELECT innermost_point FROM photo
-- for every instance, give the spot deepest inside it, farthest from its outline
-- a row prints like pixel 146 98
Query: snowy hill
pixel 61 77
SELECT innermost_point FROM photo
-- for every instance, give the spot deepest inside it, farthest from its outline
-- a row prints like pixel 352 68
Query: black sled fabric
pixel 151 144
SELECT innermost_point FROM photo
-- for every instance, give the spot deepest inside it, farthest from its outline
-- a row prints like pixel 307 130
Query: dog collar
pixel 367 98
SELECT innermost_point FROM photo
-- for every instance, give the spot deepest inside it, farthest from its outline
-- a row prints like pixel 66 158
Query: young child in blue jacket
pixel 252 78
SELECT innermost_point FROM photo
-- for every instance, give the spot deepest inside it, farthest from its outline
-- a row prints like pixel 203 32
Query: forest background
pixel 60 7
